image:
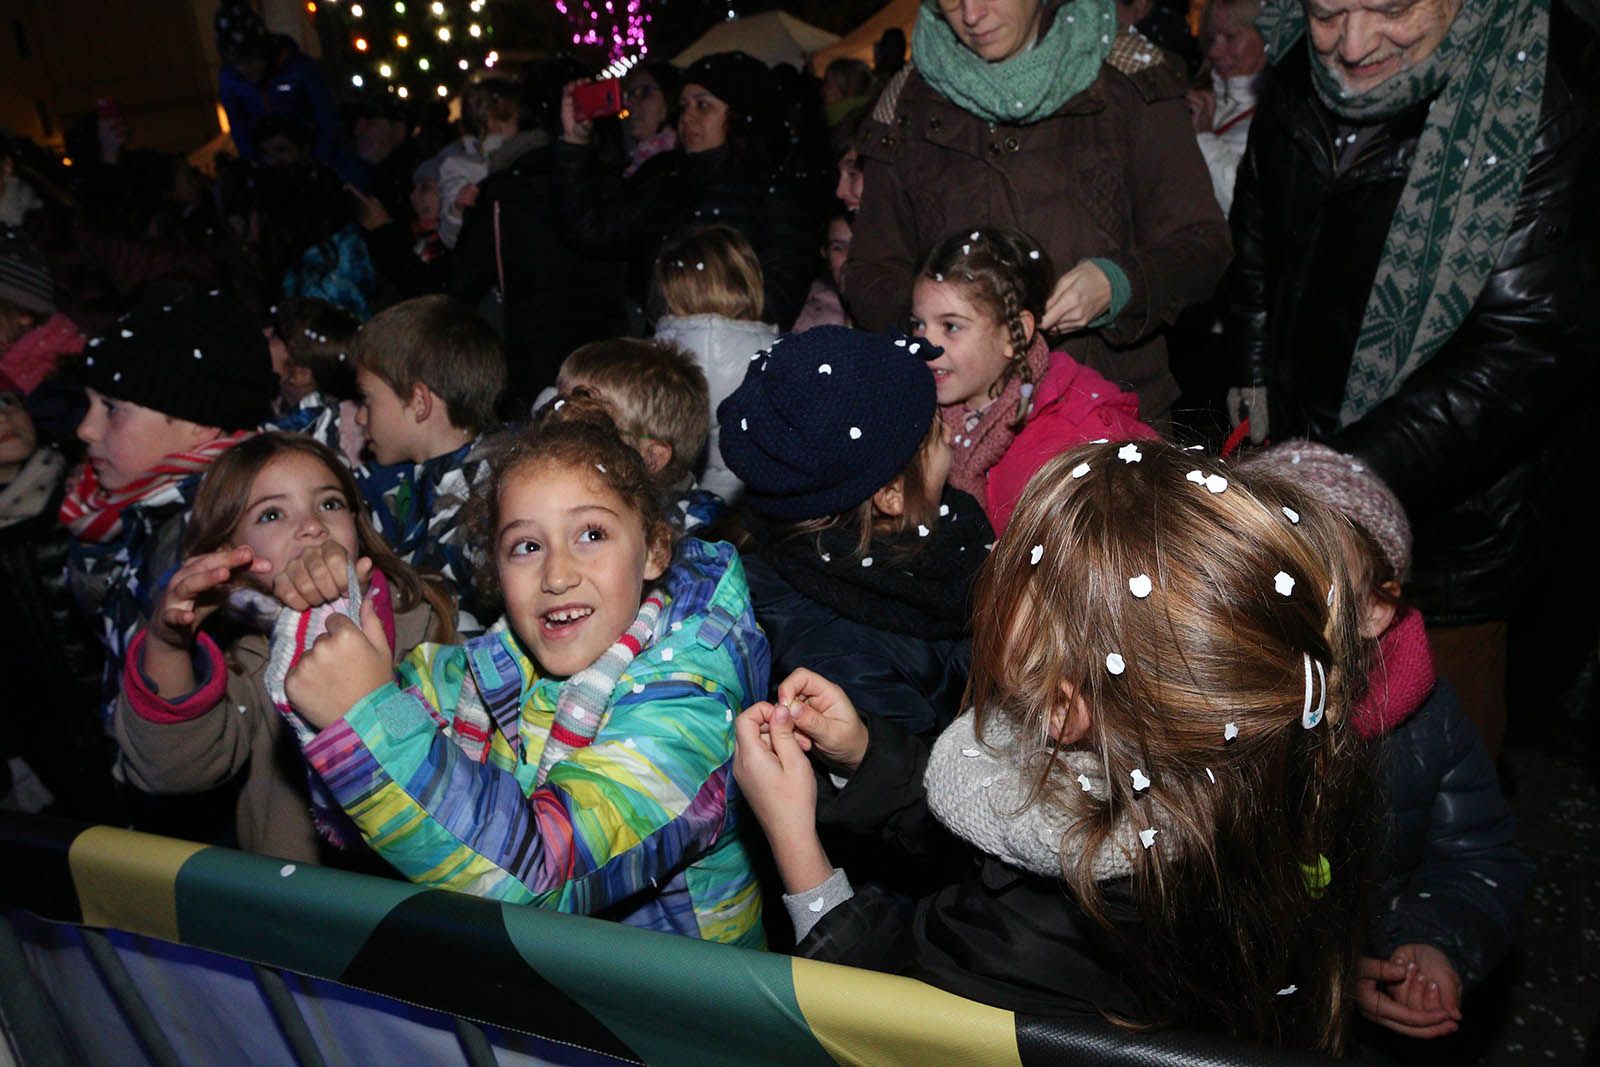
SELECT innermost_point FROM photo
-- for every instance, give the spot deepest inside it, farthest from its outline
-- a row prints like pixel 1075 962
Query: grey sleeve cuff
pixel 807 909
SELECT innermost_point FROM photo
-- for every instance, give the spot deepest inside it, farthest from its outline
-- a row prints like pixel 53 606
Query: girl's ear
pixel 658 554
pixel 891 499
pixel 1380 612
pixel 1069 718
pixel 1028 323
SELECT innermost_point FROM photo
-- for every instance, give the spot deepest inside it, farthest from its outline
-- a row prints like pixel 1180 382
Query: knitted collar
pixel 1460 197
pixel 977 450
pixel 981 791
pixel 27 494
pixel 1401 679
pixel 922 594
pixel 1028 87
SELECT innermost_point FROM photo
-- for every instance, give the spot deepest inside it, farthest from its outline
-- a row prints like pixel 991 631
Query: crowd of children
pixel 1092 723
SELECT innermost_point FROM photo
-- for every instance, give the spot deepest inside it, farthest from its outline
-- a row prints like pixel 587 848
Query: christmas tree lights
pixel 618 26
pixel 426 48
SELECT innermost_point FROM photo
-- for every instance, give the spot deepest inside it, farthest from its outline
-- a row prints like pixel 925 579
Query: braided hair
pixel 1006 272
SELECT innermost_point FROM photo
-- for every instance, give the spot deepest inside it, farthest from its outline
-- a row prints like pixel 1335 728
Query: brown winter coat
pixel 1114 174
pixel 243 734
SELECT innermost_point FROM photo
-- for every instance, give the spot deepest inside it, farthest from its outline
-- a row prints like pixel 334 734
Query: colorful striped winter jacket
pixel 640 826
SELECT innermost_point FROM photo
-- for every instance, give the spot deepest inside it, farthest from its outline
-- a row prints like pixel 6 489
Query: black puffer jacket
pixel 994 933
pixel 675 193
pixel 555 297
pixel 1474 441
pixel 48 651
pixel 1449 872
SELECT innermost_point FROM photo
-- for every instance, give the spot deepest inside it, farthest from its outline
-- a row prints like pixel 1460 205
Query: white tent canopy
pixel 773 37
pixel 857 44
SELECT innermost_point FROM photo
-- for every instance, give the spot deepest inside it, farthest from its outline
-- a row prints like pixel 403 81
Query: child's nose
pixel 560 571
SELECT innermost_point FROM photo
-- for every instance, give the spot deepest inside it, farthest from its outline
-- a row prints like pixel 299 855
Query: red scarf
pixel 1402 676
pixel 94 513
pixel 977 451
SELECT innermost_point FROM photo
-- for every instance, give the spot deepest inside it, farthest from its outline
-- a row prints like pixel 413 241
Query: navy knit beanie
pixel 199 357
pixel 824 419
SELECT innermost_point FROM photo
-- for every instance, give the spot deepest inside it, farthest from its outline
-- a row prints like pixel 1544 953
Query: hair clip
pixel 1310 717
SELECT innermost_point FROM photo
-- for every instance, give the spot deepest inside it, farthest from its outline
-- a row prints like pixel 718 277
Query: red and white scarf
pixel 981 442
pixel 94 513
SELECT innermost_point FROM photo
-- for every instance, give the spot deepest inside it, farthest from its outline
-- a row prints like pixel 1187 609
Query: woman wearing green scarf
pixel 1038 115
pixel 1416 286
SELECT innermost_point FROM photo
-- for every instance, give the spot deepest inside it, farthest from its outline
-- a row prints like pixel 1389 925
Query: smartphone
pixel 597 100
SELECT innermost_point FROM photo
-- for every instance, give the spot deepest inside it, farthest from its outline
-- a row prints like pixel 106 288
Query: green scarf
pixel 1487 81
pixel 1031 85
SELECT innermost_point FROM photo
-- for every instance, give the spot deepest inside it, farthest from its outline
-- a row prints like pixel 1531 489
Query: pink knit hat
pixel 1348 486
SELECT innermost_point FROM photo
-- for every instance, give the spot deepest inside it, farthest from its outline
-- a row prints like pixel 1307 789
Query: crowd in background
pixel 1085 493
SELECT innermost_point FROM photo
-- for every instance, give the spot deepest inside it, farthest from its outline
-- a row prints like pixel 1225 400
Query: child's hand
pixel 824 720
pixel 184 605
pixel 321 575
pixel 777 781
pixel 1416 992
pixel 1081 295
pixel 344 665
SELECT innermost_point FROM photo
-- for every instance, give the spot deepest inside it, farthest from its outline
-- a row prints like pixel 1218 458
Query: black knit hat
pixel 741 81
pixel 824 419
pixel 197 357
pixel 24 277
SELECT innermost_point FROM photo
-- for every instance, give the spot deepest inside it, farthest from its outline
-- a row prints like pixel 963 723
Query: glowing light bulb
pixel 403 92
pixel 356 11
pixel 437 9
pixel 357 81
pixel 463 64
pixel 443 91
pixel 402 41
pixel 361 44
pixel 475 30
pixel 423 64
pixel 399 7
pixel 444 33
pixel 385 70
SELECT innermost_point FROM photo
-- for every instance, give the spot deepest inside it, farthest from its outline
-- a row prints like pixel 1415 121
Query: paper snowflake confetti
pixel 1139 585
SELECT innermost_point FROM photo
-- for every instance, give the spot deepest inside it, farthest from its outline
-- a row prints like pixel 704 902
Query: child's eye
pixel 269 515
pixel 333 503
pixel 523 548
pixel 951 327
pixel 591 535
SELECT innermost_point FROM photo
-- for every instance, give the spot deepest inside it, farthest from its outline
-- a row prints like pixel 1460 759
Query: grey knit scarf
pixel 1486 80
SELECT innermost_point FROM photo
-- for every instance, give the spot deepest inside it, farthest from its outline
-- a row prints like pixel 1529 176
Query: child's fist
pixel 320 575
pixel 345 664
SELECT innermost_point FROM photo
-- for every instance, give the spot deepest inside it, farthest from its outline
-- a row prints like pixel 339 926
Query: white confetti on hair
pixel 1114 663
pixel 1036 555
pixel 1283 582
pixel 1139 585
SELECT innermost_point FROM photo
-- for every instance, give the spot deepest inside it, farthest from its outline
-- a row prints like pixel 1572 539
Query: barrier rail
pixel 214 956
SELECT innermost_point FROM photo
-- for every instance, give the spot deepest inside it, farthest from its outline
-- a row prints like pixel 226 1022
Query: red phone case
pixel 597 99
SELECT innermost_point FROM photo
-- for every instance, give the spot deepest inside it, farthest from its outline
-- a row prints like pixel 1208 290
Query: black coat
pixel 994 933
pixel 1475 440
pixel 675 193
pixel 1449 873
pixel 555 296
pixel 914 681
pixel 48 651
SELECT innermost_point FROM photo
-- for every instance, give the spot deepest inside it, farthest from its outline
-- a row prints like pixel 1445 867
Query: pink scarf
pixel 1402 676
pixel 665 141
pixel 93 513
pixel 977 451
pixel 34 355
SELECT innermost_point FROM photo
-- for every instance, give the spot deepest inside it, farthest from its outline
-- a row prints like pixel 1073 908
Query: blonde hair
pixel 1227 914
pixel 652 389
pixel 712 271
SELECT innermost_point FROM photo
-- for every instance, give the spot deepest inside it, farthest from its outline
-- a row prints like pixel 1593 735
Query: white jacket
pixel 723 348
pixel 1223 149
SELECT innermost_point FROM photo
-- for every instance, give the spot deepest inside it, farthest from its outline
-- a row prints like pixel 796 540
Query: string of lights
pixel 411 47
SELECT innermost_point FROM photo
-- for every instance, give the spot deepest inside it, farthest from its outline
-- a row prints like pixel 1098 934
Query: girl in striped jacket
pixel 577 756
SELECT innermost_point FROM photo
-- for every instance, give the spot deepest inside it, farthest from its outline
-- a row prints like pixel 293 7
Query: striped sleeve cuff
pixel 807 909
pixel 211 687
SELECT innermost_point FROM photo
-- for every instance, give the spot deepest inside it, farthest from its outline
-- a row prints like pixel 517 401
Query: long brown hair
pixel 224 497
pixel 1232 903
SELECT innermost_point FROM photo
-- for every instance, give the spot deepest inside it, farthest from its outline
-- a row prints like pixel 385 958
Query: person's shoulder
pixel 1138 70
pixel 704 575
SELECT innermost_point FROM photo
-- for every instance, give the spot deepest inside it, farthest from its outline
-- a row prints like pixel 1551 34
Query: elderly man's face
pixel 1367 42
